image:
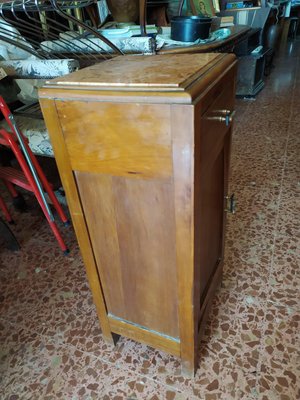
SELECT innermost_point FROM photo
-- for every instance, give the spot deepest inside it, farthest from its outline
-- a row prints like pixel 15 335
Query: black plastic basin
pixel 189 29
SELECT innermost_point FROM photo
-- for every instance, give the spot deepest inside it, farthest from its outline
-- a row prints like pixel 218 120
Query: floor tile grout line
pixel 287 307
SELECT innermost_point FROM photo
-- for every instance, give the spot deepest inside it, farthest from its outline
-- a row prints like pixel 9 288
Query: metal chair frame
pixel 31 178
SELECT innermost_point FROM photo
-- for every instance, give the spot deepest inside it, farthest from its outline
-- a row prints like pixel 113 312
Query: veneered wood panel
pixel 182 122
pixel 149 337
pixel 237 33
pixel 226 79
pixel 210 137
pixel 209 224
pixel 132 229
pixel 117 139
pixel 141 71
pixel 63 162
pixel 213 130
pixel 97 198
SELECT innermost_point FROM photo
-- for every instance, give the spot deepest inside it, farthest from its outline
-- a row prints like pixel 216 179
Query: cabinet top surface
pixel 160 72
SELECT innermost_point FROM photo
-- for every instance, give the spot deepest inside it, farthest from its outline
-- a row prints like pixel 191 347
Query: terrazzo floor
pixel 50 341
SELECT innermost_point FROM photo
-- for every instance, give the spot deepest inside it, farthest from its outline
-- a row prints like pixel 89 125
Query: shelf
pixel 242 9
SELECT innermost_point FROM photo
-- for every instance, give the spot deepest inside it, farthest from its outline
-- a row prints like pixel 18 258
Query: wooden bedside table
pixel 142 144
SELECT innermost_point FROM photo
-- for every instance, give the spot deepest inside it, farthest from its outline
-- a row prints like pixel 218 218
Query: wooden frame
pixel 216 5
pixel 203 7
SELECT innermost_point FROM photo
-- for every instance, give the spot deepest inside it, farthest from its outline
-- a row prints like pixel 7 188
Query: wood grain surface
pixel 146 336
pixel 79 223
pixel 132 229
pixel 182 123
pixel 118 139
pixel 237 34
pixel 140 71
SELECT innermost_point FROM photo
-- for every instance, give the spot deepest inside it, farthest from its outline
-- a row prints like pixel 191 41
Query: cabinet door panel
pixel 211 205
pixel 211 163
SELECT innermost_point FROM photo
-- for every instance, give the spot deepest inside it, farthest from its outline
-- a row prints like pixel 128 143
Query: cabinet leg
pixel 111 338
pixel 115 338
pixel 188 369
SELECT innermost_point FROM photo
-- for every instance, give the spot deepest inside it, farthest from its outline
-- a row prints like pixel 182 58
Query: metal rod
pixel 21 46
pixel 44 24
pixel 64 41
pixel 84 43
pixel 88 28
pixel 78 15
pixel 46 6
pixel 31 166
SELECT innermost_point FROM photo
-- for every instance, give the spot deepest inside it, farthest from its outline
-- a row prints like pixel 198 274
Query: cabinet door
pixel 211 175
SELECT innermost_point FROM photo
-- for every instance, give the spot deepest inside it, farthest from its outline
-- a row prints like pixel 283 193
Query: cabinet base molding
pixel 144 335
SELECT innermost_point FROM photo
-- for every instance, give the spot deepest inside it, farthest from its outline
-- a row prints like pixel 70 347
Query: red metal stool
pixel 30 178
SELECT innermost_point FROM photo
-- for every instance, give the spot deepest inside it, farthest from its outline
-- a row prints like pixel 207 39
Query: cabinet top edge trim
pixel 123 72
pixel 150 94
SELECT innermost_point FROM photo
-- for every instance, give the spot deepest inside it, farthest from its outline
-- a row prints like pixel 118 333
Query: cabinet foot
pixel 115 338
pixel 111 338
pixel 188 369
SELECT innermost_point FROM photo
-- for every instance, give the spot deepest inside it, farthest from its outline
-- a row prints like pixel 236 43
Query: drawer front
pixel 117 139
pixel 216 91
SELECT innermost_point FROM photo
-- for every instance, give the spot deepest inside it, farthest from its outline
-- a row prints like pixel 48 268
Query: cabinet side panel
pixel 132 229
pixel 63 163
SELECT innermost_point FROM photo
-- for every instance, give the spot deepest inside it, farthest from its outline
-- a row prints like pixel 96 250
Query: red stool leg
pixel 47 187
pixel 57 206
pixel 18 200
pixel 50 222
pixel 58 237
pixel 11 189
pixel 5 211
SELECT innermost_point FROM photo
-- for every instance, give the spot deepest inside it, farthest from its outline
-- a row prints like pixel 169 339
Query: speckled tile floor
pixel 50 342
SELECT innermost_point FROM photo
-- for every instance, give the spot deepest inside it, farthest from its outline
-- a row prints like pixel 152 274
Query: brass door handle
pixel 229 117
pixel 226 116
